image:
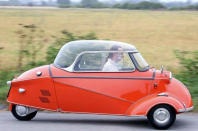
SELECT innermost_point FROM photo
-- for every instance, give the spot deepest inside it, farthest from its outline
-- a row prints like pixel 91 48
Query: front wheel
pixel 23 113
pixel 162 116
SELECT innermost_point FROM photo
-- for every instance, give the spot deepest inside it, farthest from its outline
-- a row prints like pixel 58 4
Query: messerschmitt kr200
pixel 100 77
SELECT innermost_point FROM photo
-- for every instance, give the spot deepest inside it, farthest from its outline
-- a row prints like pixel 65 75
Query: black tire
pixel 23 118
pixel 155 122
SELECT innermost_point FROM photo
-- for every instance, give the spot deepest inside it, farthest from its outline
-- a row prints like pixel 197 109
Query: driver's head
pixel 116 56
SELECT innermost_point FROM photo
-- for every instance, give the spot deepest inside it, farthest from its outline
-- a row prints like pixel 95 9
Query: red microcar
pixel 100 77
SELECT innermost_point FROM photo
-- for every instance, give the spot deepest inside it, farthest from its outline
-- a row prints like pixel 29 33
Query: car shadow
pixel 138 123
pixel 90 121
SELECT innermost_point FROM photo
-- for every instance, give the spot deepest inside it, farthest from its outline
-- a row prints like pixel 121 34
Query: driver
pixel 113 59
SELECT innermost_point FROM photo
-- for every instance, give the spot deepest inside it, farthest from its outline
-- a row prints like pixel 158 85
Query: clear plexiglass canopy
pixel 71 50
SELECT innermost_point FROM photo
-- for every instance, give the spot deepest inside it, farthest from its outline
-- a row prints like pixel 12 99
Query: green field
pixel 156 34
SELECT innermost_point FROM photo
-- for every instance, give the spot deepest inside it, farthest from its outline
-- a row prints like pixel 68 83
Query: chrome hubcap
pixel 21 110
pixel 161 115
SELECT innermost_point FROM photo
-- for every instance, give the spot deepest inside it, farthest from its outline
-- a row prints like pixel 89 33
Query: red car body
pixel 115 93
pixel 58 90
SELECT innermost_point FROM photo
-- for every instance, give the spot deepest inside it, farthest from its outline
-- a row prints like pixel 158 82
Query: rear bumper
pixel 186 109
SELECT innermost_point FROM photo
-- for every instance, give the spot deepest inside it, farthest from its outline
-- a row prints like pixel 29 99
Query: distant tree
pixel 116 6
pixel 43 3
pixel 190 7
pixel 150 5
pixel 63 2
pixel 30 4
pixel 140 6
pixel 89 3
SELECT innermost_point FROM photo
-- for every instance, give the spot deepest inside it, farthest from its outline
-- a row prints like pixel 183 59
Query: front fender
pixel 143 106
pixel 37 93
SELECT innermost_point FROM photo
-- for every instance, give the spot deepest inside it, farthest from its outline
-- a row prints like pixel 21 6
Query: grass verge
pixel 3 94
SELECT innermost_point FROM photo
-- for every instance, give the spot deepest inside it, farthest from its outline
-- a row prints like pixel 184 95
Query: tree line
pixel 126 4
pixel 97 4
pixel 144 5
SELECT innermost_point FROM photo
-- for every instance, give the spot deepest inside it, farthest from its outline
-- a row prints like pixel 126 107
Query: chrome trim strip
pixel 84 52
pixel 91 113
pixel 98 77
pixel 186 109
pixel 189 109
pixel 181 110
pixel 102 77
pixel 162 94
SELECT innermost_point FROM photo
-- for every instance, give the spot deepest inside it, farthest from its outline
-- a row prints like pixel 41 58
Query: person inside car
pixel 111 64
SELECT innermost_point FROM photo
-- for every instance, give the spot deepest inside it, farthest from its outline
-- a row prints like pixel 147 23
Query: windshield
pixel 142 64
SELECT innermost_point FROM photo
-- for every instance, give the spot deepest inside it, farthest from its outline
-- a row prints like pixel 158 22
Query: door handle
pixel 155 85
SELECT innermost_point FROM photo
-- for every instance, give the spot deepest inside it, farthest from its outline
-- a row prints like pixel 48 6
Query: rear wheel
pixel 23 113
pixel 162 116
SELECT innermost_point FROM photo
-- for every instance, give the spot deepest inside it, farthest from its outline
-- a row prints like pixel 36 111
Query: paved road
pixel 83 122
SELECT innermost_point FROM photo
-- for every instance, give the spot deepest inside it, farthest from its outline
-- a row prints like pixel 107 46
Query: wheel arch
pixel 143 106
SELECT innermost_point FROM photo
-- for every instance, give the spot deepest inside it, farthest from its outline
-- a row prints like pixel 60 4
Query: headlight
pixel 9 83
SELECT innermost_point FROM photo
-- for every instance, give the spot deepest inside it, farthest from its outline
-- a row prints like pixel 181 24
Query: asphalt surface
pixel 47 121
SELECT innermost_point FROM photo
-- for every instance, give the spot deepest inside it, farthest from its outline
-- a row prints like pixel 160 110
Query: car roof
pixel 71 50
pixel 98 44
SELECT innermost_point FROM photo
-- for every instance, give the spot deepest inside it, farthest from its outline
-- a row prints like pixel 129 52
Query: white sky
pixel 121 0
pixel 180 0
pixel 160 0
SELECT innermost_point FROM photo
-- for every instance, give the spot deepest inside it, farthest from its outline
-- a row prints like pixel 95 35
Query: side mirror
pixel 162 69
pixel 170 76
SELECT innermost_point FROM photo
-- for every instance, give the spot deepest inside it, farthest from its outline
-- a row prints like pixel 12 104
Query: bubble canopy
pixel 71 50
